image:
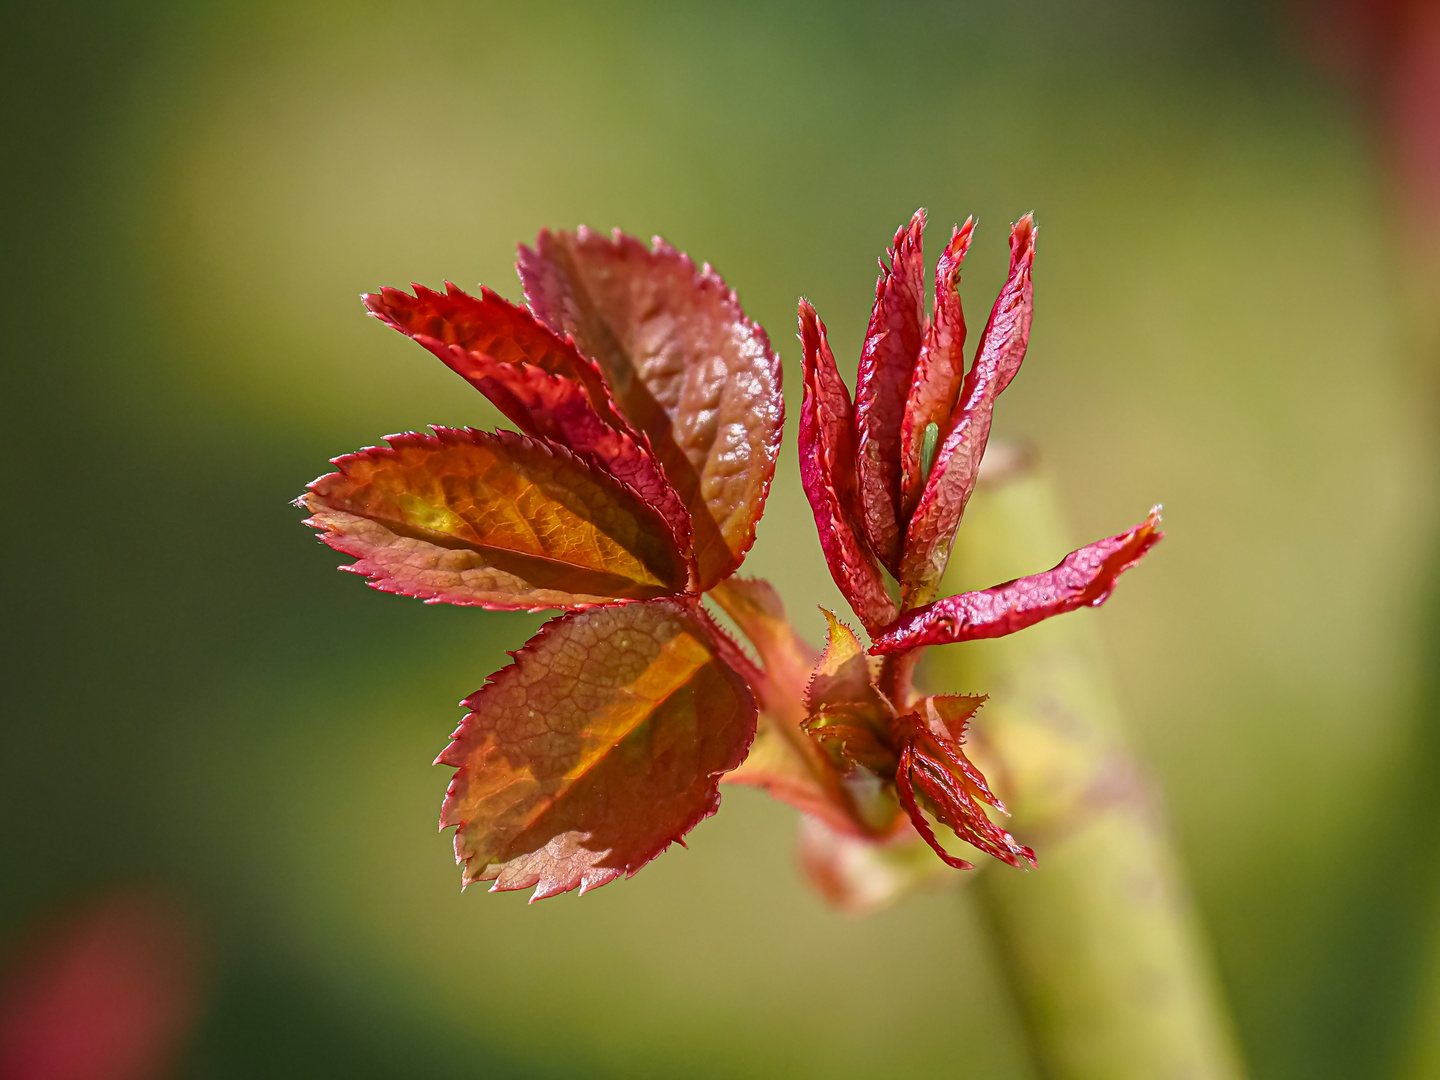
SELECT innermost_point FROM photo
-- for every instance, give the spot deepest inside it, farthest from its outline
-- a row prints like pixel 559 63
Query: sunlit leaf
pixel 939 372
pixel 497 520
pixel 537 379
pixel 882 385
pixel 601 745
pixel 827 472
pixel 1084 578
pixel 842 677
pixel 931 530
pixel 685 365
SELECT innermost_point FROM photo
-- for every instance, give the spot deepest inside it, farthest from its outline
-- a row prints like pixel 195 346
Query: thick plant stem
pixel 1104 950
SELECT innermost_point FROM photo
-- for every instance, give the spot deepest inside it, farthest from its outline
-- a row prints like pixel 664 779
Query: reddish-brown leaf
pixel 537 379
pixel 887 365
pixel 1084 578
pixel 931 530
pixel 686 366
pixel 496 520
pixel 827 472
pixel 601 745
pixel 939 372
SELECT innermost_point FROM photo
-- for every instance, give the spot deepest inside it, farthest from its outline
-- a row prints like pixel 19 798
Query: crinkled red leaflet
pixel 497 520
pixel 887 365
pixel 827 449
pixel 906 791
pixel 931 531
pixel 492 325
pixel 687 369
pixel 1084 578
pixel 956 807
pixel 601 745
pixel 939 372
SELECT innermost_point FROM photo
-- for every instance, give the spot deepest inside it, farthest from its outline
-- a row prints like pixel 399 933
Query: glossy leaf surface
pixel 931 530
pixel 491 325
pixel 882 386
pixel 827 472
pixel 597 748
pixel 1085 578
pixel 497 520
pixel 940 370
pixel 686 367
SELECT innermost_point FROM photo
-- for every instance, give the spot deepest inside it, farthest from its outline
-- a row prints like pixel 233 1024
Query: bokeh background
pixel 206 725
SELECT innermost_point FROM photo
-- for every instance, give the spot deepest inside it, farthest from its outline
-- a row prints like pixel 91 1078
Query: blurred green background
pixel 193 197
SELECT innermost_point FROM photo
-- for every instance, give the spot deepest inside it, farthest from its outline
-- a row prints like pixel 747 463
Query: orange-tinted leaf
pixel 939 372
pixel 887 366
pixel 1084 578
pixel 931 531
pixel 597 748
pixel 497 520
pixel 537 379
pixel 842 677
pixel 949 715
pixel 827 472
pixel 686 366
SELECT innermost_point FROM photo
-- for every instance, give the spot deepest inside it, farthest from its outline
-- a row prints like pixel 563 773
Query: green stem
pixel 1102 942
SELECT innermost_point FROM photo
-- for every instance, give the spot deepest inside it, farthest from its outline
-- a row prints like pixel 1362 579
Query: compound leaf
pixel 496 520
pixel 597 748
pixel 685 365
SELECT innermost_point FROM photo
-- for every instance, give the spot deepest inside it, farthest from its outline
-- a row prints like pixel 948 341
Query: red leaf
pixel 597 748
pixel 827 456
pixel 906 790
pixel 946 794
pixel 535 378
pixel 931 531
pixel 686 366
pixel 939 372
pixel 500 521
pixel 491 325
pixel 887 365
pixel 1084 578
pixel 948 715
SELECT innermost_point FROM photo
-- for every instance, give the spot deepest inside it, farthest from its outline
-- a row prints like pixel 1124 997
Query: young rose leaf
pixel 931 530
pixel 491 325
pixel 827 454
pixel 842 677
pixel 938 374
pixel 686 366
pixel 948 715
pixel 887 366
pixel 601 745
pixel 1084 578
pixel 936 773
pixel 496 520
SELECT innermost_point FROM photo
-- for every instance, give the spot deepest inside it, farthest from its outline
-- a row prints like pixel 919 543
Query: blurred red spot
pixel 107 994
